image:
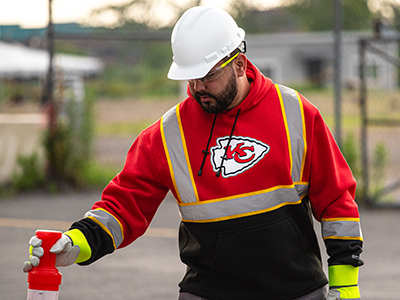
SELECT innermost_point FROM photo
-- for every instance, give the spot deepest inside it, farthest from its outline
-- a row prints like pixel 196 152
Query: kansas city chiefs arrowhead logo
pixel 242 154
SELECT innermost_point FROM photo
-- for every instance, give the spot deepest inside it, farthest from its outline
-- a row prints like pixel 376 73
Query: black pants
pixel 319 294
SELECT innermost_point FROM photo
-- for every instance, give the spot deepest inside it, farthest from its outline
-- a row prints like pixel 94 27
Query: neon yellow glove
pixel 343 283
pixel 71 248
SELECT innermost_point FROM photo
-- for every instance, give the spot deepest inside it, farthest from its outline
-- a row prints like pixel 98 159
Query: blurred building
pixel 305 58
pixel 21 130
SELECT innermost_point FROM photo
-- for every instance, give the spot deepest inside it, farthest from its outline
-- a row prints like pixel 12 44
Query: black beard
pixel 222 100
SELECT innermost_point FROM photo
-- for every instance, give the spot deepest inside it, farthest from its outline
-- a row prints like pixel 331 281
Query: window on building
pixel 372 71
pixel 315 71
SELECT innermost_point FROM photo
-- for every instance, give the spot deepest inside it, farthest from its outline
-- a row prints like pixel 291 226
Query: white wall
pixel 20 134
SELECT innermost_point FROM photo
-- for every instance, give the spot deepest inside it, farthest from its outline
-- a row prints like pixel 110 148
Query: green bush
pixel 29 174
pixel 380 162
pixel 69 145
pixel 349 149
pixel 97 176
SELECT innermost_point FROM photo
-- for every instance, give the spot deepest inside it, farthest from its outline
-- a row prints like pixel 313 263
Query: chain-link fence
pixel 380 120
pixel 121 72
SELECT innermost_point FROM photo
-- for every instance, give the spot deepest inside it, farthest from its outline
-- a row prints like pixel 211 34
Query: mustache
pixel 201 94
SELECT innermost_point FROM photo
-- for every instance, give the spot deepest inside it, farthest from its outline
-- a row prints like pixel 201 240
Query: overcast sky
pixel 34 13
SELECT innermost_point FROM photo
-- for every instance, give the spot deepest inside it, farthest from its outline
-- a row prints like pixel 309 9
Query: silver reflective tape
pixel 341 229
pixel 238 207
pixel 177 156
pixel 295 124
pixel 109 222
pixel 302 189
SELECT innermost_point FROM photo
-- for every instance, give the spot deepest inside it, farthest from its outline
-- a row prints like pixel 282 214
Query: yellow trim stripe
pixel 178 116
pixel 286 126
pixel 252 213
pixel 301 183
pixel 333 237
pixel 171 170
pixel 339 219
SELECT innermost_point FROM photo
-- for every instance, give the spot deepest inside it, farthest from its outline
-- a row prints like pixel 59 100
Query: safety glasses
pixel 215 73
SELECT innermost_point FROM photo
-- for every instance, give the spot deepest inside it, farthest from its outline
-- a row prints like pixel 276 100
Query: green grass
pixel 380 104
pixel 99 175
pixel 126 128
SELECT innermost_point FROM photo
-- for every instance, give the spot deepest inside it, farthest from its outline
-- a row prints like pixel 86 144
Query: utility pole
pixel 48 93
pixel 338 71
pixel 48 100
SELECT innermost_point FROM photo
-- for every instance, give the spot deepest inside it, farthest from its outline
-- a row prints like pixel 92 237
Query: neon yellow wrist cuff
pixel 78 239
pixel 343 275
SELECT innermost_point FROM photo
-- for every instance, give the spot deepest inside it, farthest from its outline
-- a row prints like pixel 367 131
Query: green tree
pixel 143 14
pixel 395 20
pixel 318 15
pixel 253 20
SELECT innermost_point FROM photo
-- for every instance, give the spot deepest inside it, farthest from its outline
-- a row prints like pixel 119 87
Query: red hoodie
pixel 246 233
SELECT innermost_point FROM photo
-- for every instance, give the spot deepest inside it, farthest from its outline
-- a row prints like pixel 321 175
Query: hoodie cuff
pixel 78 239
pixel 343 275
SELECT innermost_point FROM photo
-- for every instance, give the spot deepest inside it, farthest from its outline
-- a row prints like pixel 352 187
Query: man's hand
pixel 66 253
pixel 36 251
pixel 349 292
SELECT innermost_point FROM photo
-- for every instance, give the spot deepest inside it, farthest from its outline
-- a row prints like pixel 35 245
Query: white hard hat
pixel 201 38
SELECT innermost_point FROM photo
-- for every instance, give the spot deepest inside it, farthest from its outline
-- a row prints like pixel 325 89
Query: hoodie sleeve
pixel 332 190
pixel 129 202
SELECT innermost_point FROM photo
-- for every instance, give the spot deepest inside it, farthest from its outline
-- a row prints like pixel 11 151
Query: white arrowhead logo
pixel 242 154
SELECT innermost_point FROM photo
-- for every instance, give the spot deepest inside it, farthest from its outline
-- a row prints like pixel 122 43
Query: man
pixel 249 162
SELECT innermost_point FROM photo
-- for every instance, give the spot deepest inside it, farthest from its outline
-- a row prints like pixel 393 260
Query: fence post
pixel 48 99
pixel 364 123
pixel 338 69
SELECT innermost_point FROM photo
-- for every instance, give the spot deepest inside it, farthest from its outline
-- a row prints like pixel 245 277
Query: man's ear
pixel 241 64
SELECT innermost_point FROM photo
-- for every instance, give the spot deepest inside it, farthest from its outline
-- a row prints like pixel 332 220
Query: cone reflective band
pixel 44 280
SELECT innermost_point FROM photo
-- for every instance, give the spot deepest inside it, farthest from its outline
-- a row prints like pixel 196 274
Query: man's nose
pixel 198 85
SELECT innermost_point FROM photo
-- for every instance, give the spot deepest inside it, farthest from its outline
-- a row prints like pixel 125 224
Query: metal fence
pixel 368 116
pixel 380 123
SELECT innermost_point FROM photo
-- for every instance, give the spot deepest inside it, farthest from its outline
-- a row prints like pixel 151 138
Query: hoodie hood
pixel 260 86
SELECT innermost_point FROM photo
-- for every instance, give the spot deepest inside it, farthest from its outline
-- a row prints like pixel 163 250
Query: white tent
pixel 19 61
pixel 20 134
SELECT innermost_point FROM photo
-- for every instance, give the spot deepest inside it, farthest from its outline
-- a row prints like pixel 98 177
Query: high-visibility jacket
pixel 247 183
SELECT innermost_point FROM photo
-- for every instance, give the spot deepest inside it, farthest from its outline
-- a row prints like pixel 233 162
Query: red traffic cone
pixel 44 280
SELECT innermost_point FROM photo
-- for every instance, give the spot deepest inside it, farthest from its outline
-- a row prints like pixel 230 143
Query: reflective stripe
pixel 347 229
pixel 194 210
pixel 178 160
pixel 292 109
pixel 109 223
pixel 302 189
pixel 240 205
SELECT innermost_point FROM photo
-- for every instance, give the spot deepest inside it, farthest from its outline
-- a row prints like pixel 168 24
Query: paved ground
pixel 150 268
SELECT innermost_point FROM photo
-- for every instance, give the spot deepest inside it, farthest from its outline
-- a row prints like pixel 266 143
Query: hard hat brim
pixel 180 73
pixel 198 71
